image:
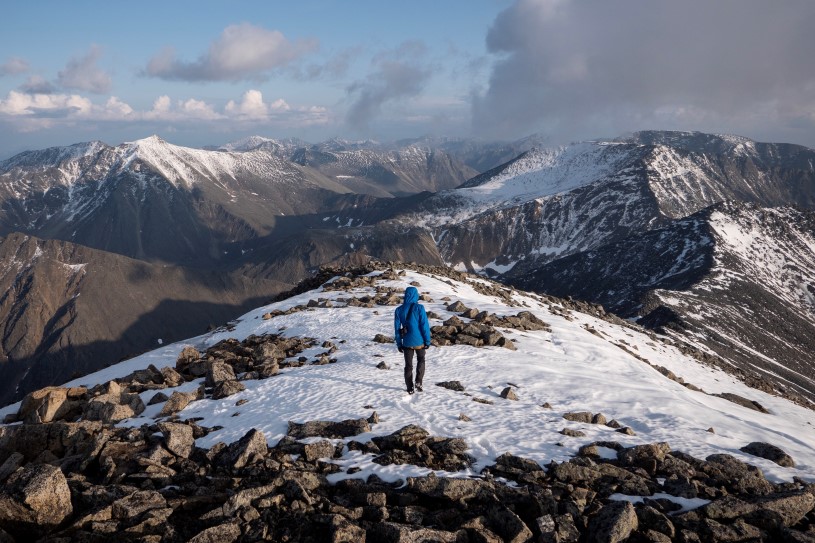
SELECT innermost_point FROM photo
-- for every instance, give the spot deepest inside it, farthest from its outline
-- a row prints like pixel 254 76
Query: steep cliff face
pixel 738 279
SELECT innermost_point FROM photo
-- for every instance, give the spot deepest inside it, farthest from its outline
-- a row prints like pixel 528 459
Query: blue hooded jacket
pixel 411 315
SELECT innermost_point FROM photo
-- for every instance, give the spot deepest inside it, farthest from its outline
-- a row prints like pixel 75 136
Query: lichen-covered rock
pixel 178 438
pixel 329 429
pixel 227 388
pixel 613 523
pixel 249 449
pixel 34 500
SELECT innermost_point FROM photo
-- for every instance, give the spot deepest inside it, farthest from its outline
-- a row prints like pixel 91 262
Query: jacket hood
pixel 411 295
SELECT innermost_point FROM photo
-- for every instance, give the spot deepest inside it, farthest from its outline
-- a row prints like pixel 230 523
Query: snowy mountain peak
pixel 53 157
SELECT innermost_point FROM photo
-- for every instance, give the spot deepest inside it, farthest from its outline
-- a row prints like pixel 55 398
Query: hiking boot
pixel 419 387
pixel 411 391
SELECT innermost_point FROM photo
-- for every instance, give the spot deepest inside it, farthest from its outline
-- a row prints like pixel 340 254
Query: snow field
pixel 570 367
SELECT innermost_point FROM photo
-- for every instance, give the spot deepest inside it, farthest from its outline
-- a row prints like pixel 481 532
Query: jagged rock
pixel 735 475
pixel 451 385
pixel 328 429
pixel 10 465
pixel 158 397
pixel 247 450
pixel 218 372
pixel 177 402
pixel 404 438
pixel 34 499
pixel 452 489
pixel 626 430
pixel 227 388
pixel 614 523
pixel 579 416
pixel 133 505
pixel 188 356
pixel 508 525
pixel 572 433
pixel 650 519
pixel 648 456
pixel 382 366
pixel 391 532
pixel 464 418
pixel 178 438
pixel 222 533
pixel 781 510
pixel 558 529
pixel 319 449
pixel 113 405
pixel 59 438
pixel 456 307
pixel 382 338
pixel 171 377
pixel 51 403
pixel 715 532
pixel 509 394
pixel 770 452
pixel 742 401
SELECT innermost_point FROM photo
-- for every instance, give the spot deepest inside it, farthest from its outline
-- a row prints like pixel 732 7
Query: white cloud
pixel 83 74
pixel 242 51
pixel 28 111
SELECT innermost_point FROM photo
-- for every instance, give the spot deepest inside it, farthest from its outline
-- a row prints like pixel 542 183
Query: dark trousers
pixel 409 366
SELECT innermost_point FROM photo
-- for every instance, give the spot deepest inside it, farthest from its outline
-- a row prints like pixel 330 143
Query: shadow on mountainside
pixel 60 360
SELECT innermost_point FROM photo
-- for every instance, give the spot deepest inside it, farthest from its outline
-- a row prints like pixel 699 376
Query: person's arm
pixel 397 324
pixel 424 326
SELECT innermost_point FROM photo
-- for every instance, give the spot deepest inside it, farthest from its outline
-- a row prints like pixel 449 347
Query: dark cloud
pixel 13 66
pixel 83 74
pixel 400 73
pixel 36 84
pixel 242 52
pixel 594 67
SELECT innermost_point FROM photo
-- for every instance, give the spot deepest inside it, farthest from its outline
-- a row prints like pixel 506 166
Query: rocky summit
pixel 580 427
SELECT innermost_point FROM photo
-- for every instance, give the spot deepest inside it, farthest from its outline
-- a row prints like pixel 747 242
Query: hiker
pixel 412 336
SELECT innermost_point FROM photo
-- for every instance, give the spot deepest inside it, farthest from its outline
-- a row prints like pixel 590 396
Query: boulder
pixel 770 452
pixel 113 405
pixel 613 523
pixel 735 475
pixel 178 438
pixel 579 416
pixel 177 402
pixel 509 394
pixel 227 388
pixel 222 533
pixel 133 505
pixel 34 500
pixel 247 450
pixel 50 404
pixel 329 429
pixel 218 372
pixel 451 385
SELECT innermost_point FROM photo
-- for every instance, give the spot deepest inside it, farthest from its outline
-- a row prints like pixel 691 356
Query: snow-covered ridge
pixel 558 366
pixel 773 247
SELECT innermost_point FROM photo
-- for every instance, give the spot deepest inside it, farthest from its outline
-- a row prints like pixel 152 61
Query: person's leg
pixel 420 367
pixel 409 369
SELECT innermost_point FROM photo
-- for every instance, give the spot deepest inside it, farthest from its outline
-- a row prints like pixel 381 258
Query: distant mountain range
pixel 647 225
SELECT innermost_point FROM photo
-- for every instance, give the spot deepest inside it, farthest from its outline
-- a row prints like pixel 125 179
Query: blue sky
pixel 207 72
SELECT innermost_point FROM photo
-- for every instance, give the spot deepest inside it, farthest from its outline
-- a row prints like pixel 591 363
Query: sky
pixel 206 73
